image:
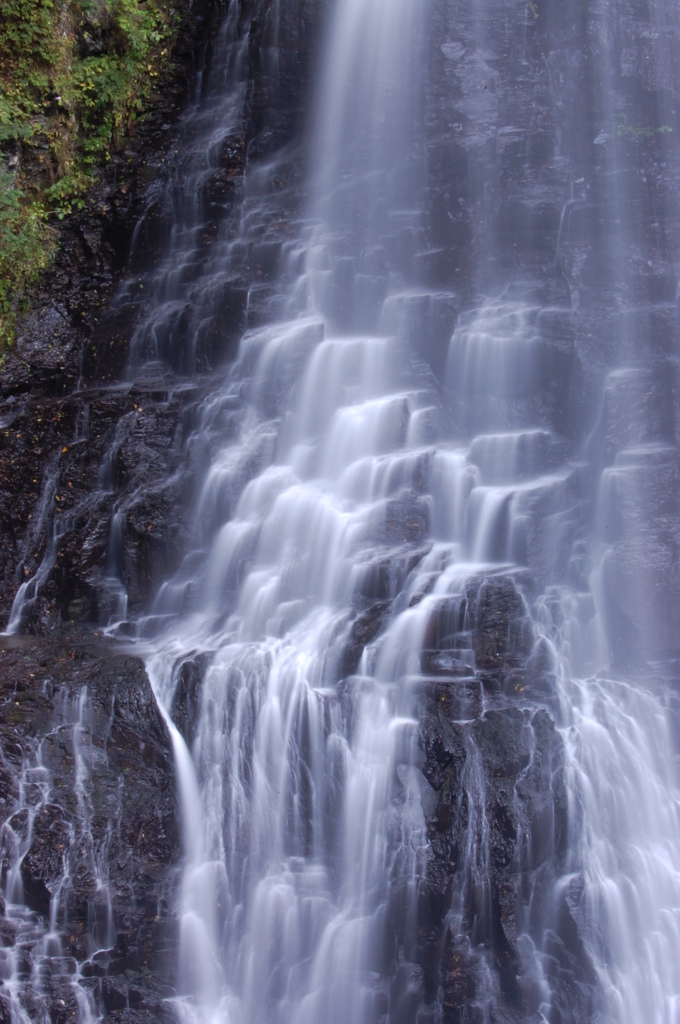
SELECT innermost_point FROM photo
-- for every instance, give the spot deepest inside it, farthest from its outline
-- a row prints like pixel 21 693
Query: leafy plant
pixel 26 245
pixel 636 132
pixel 74 76
pixel 68 194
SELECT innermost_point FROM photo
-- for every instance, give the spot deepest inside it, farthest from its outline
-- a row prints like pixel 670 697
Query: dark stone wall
pixel 63 424
pixel 520 200
pixel 87 758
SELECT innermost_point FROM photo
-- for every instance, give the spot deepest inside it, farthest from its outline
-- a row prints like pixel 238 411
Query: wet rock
pixel 642 580
pixel 406 992
pixel 5 1010
pixel 460 984
pixel 501 631
pixel 503 740
pixel 487 628
pixel 7 790
pixel 385 575
pixel 363 631
pixel 102 817
pixel 158 1015
pixel 70 538
pixel 446 663
pixel 457 697
pixel 115 994
pixel 42 868
pixel 498 774
pixel 638 408
pixel 186 703
pixel 407 520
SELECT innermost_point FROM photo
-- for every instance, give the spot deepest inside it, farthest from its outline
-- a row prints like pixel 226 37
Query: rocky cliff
pixel 100 466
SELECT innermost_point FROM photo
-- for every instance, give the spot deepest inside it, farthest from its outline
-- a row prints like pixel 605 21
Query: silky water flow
pixel 361 500
pixel 303 800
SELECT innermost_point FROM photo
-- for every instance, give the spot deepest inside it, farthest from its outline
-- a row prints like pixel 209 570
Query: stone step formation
pixel 341 656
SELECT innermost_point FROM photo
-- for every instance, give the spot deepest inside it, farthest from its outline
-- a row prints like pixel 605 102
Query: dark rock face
pixel 491 770
pixel 76 452
pixel 92 504
pixel 90 823
pixel 97 479
pixel 64 342
pixel 497 823
pixel 363 630
pixel 125 435
pixel 187 699
pixel 42 867
pixel 496 117
pixel 570 136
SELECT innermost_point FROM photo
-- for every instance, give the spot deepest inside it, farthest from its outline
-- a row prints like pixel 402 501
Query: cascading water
pixel 429 770
pixel 297 843
pixel 304 798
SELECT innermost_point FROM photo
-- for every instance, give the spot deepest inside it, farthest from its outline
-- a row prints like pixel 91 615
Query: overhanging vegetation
pixel 74 76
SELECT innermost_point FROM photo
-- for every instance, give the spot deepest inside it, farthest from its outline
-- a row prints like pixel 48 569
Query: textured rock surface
pixel 90 820
pixel 520 114
pixel 44 411
pixel 495 776
pixel 71 446
pixel 77 449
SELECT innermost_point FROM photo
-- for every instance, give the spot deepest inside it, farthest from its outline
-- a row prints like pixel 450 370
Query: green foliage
pixel 74 76
pixel 108 89
pixel 68 194
pixel 26 245
pixel 27 31
pixel 637 132
pixel 14 119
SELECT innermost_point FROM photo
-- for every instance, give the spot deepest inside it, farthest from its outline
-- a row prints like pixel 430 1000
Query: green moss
pixel 26 246
pixel 637 132
pixel 74 76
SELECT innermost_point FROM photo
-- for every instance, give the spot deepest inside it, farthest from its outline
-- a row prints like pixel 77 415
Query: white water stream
pixel 303 797
pixel 342 510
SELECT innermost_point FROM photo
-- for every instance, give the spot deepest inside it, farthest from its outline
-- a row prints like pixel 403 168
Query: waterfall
pixel 372 501
pixel 418 659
